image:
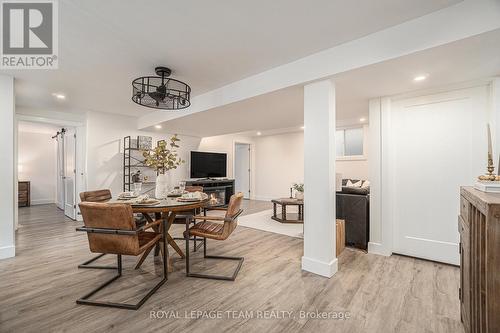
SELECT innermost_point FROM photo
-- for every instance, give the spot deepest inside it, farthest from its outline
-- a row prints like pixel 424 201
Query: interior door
pixel 242 169
pixel 437 144
pixel 69 149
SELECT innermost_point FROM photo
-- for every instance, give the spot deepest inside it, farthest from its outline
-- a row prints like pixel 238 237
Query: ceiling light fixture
pixel 161 92
pixel 158 126
pixel 302 127
pixel 420 77
pixel 362 119
pixel 259 133
pixel 59 96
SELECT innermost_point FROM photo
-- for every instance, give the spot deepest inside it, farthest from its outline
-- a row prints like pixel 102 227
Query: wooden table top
pixel 168 204
pixel 288 201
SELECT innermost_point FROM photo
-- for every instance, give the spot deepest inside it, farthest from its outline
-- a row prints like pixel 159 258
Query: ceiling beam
pixel 463 20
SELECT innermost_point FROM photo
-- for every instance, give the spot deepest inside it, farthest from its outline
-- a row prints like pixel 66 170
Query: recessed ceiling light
pixel 59 96
pixel 420 77
pixel 362 119
pixel 157 126
pixel 259 133
pixel 302 127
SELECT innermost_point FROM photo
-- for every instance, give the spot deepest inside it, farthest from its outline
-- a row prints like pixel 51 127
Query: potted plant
pixel 299 191
pixel 163 158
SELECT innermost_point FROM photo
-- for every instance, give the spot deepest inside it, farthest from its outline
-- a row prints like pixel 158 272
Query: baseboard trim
pixel 377 248
pixel 42 202
pixel 320 268
pixel 7 252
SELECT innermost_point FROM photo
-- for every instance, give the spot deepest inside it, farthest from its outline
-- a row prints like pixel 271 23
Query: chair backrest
pixel 95 196
pixel 116 216
pixel 232 212
pixel 194 188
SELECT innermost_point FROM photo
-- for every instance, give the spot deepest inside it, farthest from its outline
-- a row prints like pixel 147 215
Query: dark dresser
pixel 479 227
pixel 24 195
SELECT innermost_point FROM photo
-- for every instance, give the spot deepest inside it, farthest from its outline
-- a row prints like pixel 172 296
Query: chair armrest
pixel 215 208
pixel 209 218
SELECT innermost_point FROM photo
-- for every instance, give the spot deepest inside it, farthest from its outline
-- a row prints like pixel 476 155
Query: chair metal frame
pixel 209 276
pixel 85 299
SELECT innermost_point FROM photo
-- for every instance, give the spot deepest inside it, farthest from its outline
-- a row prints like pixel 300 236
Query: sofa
pixel 353 206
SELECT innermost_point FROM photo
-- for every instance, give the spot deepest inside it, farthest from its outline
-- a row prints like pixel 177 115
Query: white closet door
pixel 69 174
pixel 436 144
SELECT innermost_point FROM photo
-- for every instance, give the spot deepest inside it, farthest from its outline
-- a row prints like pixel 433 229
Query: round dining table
pixel 165 210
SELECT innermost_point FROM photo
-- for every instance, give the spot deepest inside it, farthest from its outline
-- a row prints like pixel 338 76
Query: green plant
pixel 299 187
pixel 163 158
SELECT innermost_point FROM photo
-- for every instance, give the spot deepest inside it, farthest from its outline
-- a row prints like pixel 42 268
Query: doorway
pixel 242 168
pixel 66 142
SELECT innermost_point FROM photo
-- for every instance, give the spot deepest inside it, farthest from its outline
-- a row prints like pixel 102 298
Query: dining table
pixel 165 210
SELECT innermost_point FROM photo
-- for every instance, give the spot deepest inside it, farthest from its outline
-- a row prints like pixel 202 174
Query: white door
pixel 436 144
pixel 60 172
pixel 69 173
pixel 242 168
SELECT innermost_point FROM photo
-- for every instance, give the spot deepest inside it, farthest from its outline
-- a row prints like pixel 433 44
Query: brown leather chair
pixel 95 196
pixel 217 228
pixel 111 229
pixel 181 217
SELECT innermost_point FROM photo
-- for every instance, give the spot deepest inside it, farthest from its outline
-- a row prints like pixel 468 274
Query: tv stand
pixel 215 187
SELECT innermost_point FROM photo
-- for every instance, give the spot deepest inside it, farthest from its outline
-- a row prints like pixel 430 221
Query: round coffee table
pixel 285 217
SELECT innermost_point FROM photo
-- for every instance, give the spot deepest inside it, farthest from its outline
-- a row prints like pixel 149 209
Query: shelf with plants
pixel 133 164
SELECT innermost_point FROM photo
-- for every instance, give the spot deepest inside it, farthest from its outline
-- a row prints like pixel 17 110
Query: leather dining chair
pixel 95 196
pixel 111 229
pixel 216 228
pixel 182 216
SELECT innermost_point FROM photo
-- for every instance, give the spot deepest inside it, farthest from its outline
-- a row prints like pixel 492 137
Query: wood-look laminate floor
pixel 38 288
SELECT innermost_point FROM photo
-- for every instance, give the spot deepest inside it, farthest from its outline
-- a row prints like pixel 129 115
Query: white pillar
pixel 319 179
pixel 7 181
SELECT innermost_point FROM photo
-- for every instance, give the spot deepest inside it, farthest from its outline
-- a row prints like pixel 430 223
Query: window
pixel 349 142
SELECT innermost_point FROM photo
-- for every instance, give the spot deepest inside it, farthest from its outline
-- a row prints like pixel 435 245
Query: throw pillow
pixel 366 184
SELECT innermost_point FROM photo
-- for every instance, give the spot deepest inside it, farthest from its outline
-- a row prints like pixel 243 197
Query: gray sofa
pixel 353 206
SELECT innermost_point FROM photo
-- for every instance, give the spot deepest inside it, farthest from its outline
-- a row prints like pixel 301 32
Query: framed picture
pixel 145 142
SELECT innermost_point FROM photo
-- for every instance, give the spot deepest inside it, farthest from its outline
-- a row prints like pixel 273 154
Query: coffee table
pixel 285 217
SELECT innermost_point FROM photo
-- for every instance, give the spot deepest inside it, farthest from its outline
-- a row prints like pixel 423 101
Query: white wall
pixel 7 171
pixel 279 163
pixel 37 163
pixel 105 133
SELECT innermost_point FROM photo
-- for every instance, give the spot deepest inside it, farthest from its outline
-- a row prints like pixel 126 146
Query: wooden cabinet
pixel 24 194
pixel 479 227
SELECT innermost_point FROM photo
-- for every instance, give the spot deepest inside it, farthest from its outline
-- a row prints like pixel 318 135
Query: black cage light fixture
pixel 161 92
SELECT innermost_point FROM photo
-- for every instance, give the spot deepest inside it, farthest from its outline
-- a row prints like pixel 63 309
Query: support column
pixel 7 181
pixel 319 179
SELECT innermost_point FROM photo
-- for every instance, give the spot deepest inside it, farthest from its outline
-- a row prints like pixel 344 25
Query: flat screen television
pixel 208 165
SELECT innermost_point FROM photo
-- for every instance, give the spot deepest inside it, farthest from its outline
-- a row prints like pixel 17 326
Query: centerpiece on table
pixel 162 159
pixel 299 191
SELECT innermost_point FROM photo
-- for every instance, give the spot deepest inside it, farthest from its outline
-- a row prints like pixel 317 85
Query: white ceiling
pixel 105 44
pixel 469 59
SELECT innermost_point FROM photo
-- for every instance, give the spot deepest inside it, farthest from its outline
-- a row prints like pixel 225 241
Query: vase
pixel 299 195
pixel 162 182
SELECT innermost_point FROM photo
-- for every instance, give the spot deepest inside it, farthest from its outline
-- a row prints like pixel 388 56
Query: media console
pixel 218 190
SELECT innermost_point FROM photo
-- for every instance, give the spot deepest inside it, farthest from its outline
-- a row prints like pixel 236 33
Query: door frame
pixel 381 183
pixel 251 162
pixel 80 153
